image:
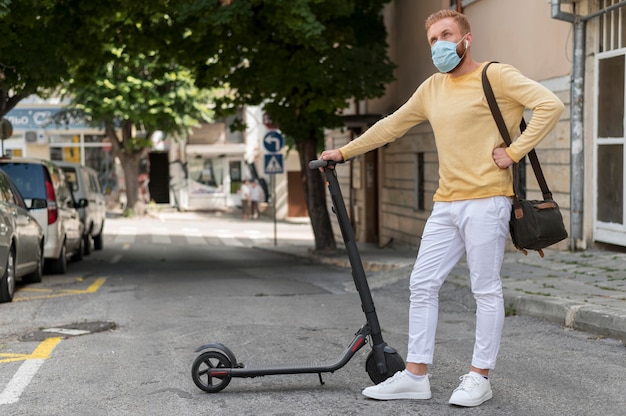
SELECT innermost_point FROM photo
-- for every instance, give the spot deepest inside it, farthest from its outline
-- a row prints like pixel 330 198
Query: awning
pixel 226 149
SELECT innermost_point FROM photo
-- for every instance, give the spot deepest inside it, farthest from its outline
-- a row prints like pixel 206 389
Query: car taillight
pixel 53 213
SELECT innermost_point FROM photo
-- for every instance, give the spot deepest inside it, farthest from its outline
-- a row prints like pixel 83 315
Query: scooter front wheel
pixel 201 374
pixel 394 364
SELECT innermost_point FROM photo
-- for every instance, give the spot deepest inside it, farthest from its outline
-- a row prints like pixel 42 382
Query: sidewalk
pixel 580 290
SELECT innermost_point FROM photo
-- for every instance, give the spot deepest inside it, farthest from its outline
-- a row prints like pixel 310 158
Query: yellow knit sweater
pixel 464 128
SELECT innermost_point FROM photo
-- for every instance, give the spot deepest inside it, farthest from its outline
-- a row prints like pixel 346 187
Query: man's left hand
pixel 501 158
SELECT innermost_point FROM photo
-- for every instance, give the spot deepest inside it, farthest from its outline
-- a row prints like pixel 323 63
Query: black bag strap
pixel 497 115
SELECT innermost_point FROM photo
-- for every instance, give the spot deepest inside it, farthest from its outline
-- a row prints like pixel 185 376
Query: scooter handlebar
pixel 319 163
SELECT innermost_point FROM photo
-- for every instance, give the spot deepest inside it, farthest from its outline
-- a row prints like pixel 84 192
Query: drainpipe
pixel 577 162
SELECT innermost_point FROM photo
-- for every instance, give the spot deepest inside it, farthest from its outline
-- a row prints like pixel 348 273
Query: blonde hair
pixel 459 18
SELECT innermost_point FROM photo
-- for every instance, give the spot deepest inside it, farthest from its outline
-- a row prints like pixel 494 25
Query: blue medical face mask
pixel 444 55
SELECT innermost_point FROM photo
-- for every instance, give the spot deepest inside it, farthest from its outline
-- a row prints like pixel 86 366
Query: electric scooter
pixel 214 368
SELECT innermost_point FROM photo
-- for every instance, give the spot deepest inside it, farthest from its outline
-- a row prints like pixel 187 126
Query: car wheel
pixel 87 244
pixel 7 281
pixel 78 253
pixel 59 265
pixel 37 275
pixel 97 241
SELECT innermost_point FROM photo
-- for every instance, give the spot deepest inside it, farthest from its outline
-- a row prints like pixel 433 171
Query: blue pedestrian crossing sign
pixel 273 141
pixel 273 164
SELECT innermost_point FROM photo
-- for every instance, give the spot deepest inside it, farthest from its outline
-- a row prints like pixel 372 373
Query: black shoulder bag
pixel 534 225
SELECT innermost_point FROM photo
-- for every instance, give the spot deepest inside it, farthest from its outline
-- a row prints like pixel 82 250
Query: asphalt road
pixel 159 290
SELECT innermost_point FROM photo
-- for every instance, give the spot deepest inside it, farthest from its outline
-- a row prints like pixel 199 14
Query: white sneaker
pixel 473 391
pixel 400 386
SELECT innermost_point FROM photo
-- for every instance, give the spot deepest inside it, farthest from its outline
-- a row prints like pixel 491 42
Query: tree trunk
pixel 130 165
pixel 315 191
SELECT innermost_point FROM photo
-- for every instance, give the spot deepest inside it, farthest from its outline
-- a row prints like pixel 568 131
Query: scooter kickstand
pixel 320 376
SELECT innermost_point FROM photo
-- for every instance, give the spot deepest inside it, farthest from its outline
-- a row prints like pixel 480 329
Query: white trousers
pixel 477 228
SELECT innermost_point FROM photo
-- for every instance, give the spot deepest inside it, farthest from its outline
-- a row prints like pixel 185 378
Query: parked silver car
pixel 21 241
pixel 49 199
pixel 91 202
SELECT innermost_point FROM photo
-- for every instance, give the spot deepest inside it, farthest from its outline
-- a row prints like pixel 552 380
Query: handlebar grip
pixel 319 163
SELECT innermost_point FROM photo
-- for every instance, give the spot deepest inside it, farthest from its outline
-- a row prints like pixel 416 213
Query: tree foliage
pixel 134 95
pixel 303 60
pixel 32 46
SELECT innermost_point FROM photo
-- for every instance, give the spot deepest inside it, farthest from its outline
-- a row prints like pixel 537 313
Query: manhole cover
pixel 66 331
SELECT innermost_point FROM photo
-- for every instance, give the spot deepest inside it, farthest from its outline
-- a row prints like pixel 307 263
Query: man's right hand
pixel 333 154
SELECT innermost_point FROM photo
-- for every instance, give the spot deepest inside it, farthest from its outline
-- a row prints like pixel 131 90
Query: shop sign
pixel 38 118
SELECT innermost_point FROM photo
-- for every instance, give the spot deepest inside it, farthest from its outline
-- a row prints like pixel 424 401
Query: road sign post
pixel 273 142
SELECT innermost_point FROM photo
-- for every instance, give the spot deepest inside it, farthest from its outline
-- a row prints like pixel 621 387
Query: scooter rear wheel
pixel 394 364
pixel 201 375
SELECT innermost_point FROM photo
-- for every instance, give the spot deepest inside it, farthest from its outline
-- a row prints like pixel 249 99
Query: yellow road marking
pixel 96 285
pixel 52 293
pixel 42 352
pixel 27 371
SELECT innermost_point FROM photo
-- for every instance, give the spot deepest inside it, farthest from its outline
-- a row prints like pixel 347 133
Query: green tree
pixel 303 60
pixel 31 51
pixel 132 96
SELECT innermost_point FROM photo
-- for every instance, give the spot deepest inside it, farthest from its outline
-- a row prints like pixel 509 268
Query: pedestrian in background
pixel 472 205
pixel 244 193
pixel 256 196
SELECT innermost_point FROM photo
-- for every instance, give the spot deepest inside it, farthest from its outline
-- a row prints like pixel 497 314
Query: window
pixel 205 174
pixel 609 134
pixel 610 183
pixel 612 34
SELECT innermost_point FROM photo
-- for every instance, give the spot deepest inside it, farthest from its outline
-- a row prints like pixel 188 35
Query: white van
pixel 49 200
pixel 90 201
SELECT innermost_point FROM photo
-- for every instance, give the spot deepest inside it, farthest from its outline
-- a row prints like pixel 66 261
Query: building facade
pixel 35 135
pixel 208 168
pixel 576 48
pixel 202 171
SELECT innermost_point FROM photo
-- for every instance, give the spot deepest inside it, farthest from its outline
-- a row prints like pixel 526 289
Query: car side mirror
pixel 35 203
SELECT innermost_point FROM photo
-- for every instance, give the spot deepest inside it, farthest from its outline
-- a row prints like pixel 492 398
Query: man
pixel 472 205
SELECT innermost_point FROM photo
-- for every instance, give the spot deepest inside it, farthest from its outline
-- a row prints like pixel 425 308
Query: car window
pixel 71 178
pixel 28 179
pixel 61 188
pixel 5 192
pixel 86 184
pixel 17 197
pixel 94 184
pixel 63 192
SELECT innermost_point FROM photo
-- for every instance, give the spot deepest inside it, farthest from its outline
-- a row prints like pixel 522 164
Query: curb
pixel 598 320
pixel 368 266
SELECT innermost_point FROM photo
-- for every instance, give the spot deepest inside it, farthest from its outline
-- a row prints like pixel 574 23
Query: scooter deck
pixel 241 370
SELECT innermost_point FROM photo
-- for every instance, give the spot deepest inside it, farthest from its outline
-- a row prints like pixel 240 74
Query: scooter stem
pixel 358 273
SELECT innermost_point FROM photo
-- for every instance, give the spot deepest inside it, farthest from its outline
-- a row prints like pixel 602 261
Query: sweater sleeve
pixel 545 106
pixel 387 129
